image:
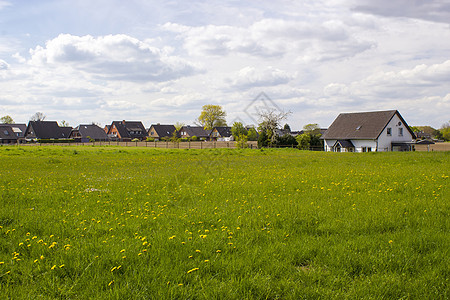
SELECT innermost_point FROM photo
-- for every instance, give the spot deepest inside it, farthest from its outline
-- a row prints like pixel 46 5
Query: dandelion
pixel 122 251
pixel 390 241
pixel 111 282
pixel 52 268
pixel 192 270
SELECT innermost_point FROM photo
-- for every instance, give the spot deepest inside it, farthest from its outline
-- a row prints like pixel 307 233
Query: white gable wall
pixel 385 140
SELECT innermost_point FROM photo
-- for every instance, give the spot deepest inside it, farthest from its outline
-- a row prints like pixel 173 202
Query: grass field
pixel 136 223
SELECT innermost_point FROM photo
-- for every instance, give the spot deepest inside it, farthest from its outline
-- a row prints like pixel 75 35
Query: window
pixel 389 131
pixel 364 149
pixel 400 132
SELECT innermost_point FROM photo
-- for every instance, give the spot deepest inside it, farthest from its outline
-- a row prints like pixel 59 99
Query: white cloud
pixel 4 4
pixel 430 10
pixel 331 39
pixel 250 77
pixel 111 57
pixel 3 65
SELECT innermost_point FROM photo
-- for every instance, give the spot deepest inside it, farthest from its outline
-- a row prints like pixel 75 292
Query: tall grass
pixel 133 223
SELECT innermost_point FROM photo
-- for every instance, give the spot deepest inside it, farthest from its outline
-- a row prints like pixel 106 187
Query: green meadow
pixel 137 223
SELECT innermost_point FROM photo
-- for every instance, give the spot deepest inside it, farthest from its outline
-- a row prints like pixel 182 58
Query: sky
pixel 160 61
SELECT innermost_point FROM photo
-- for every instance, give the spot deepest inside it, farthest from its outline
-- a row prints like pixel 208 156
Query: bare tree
pixel 270 121
pixel 38 117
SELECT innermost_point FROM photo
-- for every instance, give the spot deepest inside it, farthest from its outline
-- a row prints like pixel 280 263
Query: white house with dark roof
pixel 369 131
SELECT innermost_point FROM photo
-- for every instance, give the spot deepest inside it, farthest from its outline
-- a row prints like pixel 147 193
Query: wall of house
pixel 385 140
pixel 359 144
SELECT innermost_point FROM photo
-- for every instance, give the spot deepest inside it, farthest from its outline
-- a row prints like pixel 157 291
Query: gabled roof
pixel 7 133
pixel 224 131
pixel 197 131
pixel 163 130
pixel 361 125
pixel 92 131
pixel 48 130
pixel 127 129
pixel 344 144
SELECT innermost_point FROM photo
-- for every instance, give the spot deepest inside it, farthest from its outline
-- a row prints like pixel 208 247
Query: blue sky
pixel 160 61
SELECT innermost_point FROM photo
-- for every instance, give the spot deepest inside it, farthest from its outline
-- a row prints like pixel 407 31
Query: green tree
pixel 252 134
pixel 238 129
pixel 287 127
pixel 263 139
pixel 445 131
pixel 312 128
pixel 241 141
pixel 286 140
pixel 212 116
pixel 6 120
pixel 304 141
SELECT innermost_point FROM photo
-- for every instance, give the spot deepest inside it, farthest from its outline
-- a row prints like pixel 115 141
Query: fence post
pixel 201 145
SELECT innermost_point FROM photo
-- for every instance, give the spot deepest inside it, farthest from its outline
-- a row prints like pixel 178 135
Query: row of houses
pixel 350 132
pixel 124 131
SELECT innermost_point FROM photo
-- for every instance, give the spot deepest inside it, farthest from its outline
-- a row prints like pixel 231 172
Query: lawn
pixel 137 223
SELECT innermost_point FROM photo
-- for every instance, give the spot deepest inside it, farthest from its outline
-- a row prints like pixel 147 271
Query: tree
pixel 312 128
pixel 263 139
pixel 241 141
pixel 64 123
pixel 445 131
pixel 252 134
pixel 286 140
pixel 178 126
pixel 238 129
pixel 270 122
pixel 304 141
pixel 287 127
pixel 38 117
pixel 212 116
pixel 6 120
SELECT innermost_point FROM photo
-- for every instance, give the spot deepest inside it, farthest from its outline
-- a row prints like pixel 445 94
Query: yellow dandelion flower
pixel 192 270
pixel 206 260
pixel 111 282
pixel 52 268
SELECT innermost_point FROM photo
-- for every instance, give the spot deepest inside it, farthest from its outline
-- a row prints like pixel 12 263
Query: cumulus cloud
pixel 273 38
pixel 430 10
pixel 249 77
pixel 3 65
pixel 112 57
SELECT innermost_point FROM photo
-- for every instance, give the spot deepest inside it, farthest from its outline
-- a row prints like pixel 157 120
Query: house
pixel 197 131
pixel 369 131
pixel 86 133
pixel 159 132
pixel 12 133
pixel 126 130
pixel 221 134
pixel 7 135
pixel 37 130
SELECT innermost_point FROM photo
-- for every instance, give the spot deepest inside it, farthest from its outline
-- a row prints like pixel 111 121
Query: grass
pixel 135 223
